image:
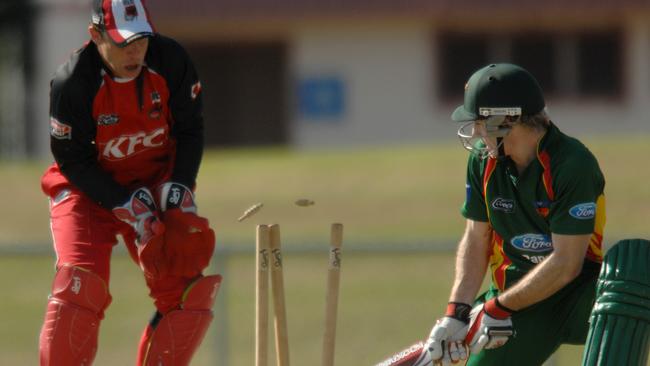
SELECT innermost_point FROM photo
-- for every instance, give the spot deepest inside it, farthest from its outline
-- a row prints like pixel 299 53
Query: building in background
pixel 16 70
pixel 310 73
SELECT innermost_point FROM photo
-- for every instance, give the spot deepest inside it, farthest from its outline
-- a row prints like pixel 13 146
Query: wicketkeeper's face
pixel 124 62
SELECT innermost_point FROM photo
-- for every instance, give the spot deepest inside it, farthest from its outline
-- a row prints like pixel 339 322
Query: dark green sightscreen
pixel 619 333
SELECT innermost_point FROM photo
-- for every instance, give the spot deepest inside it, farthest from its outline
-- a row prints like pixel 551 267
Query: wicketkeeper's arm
pixel 186 107
pixel 72 141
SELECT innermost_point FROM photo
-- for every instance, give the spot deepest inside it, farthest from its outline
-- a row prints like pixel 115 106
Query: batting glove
pixel 139 211
pixel 490 326
pixel 445 344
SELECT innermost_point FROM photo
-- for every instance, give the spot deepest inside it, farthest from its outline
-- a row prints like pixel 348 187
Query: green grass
pixel 392 196
pixel 386 302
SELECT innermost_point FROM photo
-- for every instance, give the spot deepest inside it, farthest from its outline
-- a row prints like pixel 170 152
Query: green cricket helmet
pixel 492 94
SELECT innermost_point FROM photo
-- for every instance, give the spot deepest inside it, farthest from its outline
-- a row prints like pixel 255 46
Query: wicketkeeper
pixel 126 132
pixel 535 213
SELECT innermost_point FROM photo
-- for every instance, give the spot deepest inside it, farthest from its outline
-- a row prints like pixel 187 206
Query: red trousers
pixel 84 234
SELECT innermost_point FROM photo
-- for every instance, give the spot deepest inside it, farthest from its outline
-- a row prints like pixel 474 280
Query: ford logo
pixel 583 211
pixel 532 242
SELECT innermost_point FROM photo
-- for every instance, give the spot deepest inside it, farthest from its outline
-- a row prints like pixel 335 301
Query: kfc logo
pixel 124 146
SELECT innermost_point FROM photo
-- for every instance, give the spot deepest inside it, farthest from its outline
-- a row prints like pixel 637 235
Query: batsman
pixel 126 133
pixel 535 212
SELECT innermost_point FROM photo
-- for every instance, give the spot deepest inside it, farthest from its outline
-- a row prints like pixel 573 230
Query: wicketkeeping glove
pixel 445 343
pixel 490 326
pixel 189 241
pixel 141 213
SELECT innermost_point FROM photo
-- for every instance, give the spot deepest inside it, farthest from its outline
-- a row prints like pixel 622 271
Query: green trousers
pixel 541 328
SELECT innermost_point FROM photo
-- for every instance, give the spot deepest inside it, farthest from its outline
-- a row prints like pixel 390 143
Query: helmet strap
pixel 502 150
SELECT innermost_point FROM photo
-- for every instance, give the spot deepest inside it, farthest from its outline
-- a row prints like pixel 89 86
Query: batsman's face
pixel 480 131
pixel 124 62
pixel 490 131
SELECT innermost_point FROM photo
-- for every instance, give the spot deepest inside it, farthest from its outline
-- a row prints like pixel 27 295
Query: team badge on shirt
pixel 60 131
pixel 156 109
pixel 130 10
pixel 542 207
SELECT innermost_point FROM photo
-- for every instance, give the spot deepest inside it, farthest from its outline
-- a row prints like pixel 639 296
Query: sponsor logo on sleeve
pixel 60 131
pixel 196 89
pixel 468 192
pixel 583 211
pixel 503 204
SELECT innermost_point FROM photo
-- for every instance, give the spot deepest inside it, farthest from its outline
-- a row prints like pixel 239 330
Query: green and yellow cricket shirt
pixel 559 192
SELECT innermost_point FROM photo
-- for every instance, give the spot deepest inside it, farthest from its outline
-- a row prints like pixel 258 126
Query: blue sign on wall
pixel 321 98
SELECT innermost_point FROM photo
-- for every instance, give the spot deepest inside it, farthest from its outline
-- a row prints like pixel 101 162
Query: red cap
pixel 123 20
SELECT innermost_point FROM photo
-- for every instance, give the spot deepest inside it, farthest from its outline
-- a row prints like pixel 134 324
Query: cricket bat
pixel 414 355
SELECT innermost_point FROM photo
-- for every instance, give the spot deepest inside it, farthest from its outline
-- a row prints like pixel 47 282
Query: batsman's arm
pixel 555 272
pixel 471 261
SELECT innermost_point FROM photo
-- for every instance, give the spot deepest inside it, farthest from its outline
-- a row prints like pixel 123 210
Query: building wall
pixel 386 71
pixel 389 71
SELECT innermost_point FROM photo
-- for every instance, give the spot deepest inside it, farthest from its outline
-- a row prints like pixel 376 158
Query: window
pixel 586 63
pixel 459 56
pixel 536 53
pixel 599 63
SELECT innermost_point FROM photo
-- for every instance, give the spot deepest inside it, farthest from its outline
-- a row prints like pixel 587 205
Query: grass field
pixel 386 197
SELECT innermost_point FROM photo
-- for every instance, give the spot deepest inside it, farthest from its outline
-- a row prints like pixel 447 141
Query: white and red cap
pixel 123 20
